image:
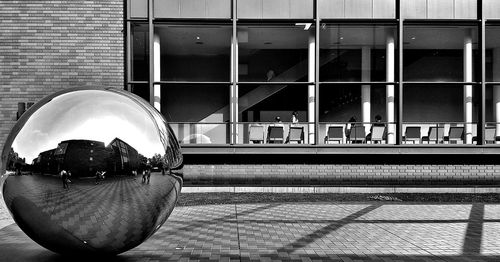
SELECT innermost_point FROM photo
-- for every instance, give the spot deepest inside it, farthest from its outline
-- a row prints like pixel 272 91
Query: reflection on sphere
pixel 91 171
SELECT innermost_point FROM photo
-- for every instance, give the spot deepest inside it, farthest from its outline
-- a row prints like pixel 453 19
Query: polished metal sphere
pixel 91 171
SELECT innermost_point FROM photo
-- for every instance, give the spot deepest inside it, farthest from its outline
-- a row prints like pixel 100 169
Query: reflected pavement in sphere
pixel 91 171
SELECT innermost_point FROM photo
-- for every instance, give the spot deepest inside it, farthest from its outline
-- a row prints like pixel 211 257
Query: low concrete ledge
pixel 257 189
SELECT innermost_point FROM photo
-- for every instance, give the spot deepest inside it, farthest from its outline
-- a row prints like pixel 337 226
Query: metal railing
pixel 275 133
pixel 333 133
pixel 201 132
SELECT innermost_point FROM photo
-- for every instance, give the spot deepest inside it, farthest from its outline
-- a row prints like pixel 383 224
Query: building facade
pixel 279 92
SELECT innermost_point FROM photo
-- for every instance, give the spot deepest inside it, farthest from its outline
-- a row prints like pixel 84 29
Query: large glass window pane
pixel 492 103
pixel 356 52
pixel 275 53
pixel 451 109
pixel 195 52
pixel 141 90
pixel 493 53
pixel 491 9
pixel 492 114
pixel 439 53
pixel 138 8
pixel 199 113
pixel 273 104
pixel 343 107
pixel 139 52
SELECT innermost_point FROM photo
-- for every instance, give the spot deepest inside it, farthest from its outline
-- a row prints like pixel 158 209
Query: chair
pixel 455 135
pixel 377 134
pixel 296 134
pixel 335 133
pixel 357 134
pixel 436 134
pixel 490 135
pixel 412 133
pixel 256 134
pixel 275 134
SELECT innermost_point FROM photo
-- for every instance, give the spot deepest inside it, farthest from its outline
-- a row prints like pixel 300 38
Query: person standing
pixel 64 178
pixel 97 177
pixel 144 175
pixel 295 117
pixel 148 175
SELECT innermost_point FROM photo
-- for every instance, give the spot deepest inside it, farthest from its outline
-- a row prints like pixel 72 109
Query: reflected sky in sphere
pixel 76 115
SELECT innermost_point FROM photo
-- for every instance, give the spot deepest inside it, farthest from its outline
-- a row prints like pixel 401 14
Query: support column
pixel 390 70
pixel 365 89
pixel 468 88
pixel 233 110
pixel 496 89
pixel 311 94
pixel 156 72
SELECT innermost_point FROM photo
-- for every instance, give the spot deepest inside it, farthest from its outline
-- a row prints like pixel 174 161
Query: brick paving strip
pixel 307 231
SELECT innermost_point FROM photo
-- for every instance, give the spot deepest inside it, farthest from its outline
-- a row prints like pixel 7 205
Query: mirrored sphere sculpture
pixel 91 171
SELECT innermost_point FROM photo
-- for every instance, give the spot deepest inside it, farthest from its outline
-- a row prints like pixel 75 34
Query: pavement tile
pixel 283 232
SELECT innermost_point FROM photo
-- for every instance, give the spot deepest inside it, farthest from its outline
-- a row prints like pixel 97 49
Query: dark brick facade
pixel 342 174
pixel 48 46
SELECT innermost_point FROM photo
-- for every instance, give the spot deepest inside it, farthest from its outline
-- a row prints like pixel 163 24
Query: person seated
pixel 378 122
pixel 349 126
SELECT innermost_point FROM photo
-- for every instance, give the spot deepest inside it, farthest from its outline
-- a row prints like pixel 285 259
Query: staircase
pixel 262 92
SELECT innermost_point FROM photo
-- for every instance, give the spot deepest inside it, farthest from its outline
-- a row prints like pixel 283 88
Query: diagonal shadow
pixel 318 234
pixel 472 241
pixel 200 223
pixel 364 221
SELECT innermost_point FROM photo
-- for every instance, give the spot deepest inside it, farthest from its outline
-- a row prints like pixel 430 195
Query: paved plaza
pixel 341 231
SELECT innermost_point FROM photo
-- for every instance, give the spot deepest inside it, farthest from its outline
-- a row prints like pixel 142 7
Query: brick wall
pixel 342 174
pixel 46 46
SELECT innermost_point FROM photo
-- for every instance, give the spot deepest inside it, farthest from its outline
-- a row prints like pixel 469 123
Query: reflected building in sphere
pixel 99 139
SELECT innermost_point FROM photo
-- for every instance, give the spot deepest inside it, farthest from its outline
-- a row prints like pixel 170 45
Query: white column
pixel 233 111
pixel 311 94
pixel 156 72
pixel 390 71
pixel 365 89
pixel 496 89
pixel 468 88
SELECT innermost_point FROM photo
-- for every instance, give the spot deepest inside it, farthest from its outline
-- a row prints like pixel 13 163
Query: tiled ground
pixel 372 231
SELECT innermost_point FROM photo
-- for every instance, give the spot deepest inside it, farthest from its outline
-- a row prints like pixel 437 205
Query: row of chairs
pixel 412 134
pixel 356 135
pixel 455 135
pixel 335 134
pixel 276 134
pixel 435 134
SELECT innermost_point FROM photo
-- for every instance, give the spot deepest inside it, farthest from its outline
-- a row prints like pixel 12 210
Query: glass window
pixel 438 53
pixel 343 106
pixel 493 53
pixel 139 52
pixel 138 8
pixel 261 106
pixel 492 114
pixel 256 105
pixel 198 113
pixel 355 52
pixel 442 106
pixel 275 53
pixel 141 90
pixel 195 52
